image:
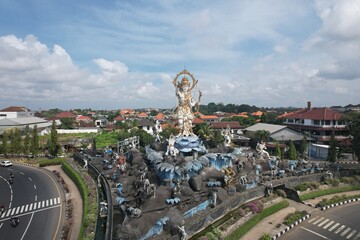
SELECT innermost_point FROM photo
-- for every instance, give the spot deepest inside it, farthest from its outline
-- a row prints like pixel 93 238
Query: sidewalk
pixel 268 225
pixel 76 200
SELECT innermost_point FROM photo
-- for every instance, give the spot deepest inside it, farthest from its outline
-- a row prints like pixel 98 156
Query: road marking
pixel 27 226
pixel 350 235
pixel 314 233
pixel 34 186
pixel 30 178
pixel 26 207
pixel 311 220
pixel 58 200
pixel 35 206
pixel 323 222
pixel 17 210
pixel 39 204
pixel 340 229
pixel 30 208
pixel 343 234
pixel 25 214
pixel 3 215
pixel 22 208
pixel 35 198
pixel 319 220
pixel 22 173
pixel 51 203
pixel 43 203
pixel 328 225
pixel 8 213
pixel 333 227
pixel 357 236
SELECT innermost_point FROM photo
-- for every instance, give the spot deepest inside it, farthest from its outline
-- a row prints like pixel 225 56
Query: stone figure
pixel 171 150
pixel 186 102
pixel 260 148
pixel 227 136
pixel 183 234
pixel 85 164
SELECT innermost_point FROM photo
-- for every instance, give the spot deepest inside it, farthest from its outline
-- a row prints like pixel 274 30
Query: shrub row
pixel 238 233
pixel 50 162
pixel 304 186
pixel 324 192
pixel 336 199
pixel 76 178
pixel 293 217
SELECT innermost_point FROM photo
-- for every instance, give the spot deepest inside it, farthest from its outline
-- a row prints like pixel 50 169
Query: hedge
pixel 76 178
pixel 324 192
pixel 241 231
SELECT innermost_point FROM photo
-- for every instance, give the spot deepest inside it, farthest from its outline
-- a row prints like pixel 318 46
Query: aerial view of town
pixel 179 120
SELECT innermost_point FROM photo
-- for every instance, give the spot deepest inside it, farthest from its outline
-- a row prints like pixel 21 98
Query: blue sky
pixel 125 54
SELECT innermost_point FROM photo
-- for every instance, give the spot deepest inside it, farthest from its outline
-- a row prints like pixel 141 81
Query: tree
pixel 203 131
pixel 303 146
pixel 12 141
pixel 278 150
pixel 17 140
pixel 67 123
pixel 26 148
pixel 332 151
pixel 353 123
pixel 53 145
pixel 262 135
pixel 34 142
pixel 5 139
pixel 263 118
pixel 292 151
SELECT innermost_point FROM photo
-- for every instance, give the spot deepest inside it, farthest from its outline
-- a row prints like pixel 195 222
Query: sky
pixel 126 53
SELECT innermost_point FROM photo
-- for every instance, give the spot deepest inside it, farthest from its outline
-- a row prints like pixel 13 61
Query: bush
pixel 324 192
pixel 301 187
pixel 256 207
pixel 348 180
pixel 336 199
pixel 332 181
pixel 211 236
pixel 293 217
pixel 217 232
pixel 314 185
pixel 265 237
pixel 281 193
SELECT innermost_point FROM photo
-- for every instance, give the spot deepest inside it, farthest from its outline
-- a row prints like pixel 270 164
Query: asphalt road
pixel 335 223
pixel 36 199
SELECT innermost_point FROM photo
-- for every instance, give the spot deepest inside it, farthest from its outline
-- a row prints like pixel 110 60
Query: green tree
pixel 332 151
pixel 303 146
pixel 292 151
pixel 26 147
pixel 203 131
pixel 353 123
pixel 17 145
pixel 262 135
pixel 35 142
pixel 67 123
pixel 278 150
pixel 53 146
pixel 263 118
pixel 12 141
pixel 5 139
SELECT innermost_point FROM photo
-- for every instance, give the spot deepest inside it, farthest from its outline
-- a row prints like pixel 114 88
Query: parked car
pixel 6 163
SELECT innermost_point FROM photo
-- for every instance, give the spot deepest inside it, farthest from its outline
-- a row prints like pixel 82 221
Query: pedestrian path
pixel 337 228
pixel 31 207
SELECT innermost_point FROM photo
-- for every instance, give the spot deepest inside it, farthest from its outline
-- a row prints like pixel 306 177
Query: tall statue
pixel 186 102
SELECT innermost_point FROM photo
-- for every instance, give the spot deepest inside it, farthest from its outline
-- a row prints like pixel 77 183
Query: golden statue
pixel 184 110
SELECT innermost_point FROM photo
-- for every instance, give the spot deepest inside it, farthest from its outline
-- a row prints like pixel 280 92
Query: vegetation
pixel 332 151
pixel 35 142
pixel 238 233
pixel 292 151
pixel 278 150
pixel 353 123
pixel 293 217
pixel 324 192
pixel 265 236
pixel 336 199
pixel 5 147
pixel 26 149
pixel 304 186
pixel 53 145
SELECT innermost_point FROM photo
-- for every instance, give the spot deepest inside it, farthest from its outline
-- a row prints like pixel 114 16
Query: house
pixel 209 118
pixel 278 133
pixel 65 115
pixel 319 123
pixel 16 112
pixel 22 122
pixel 119 119
pixel 146 125
pixel 101 122
pixel 84 119
pixel 159 117
pixel 142 115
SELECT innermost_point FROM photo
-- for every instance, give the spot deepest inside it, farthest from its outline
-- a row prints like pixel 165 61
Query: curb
pixel 339 204
pixel 290 227
pixel 309 204
pixel 27 164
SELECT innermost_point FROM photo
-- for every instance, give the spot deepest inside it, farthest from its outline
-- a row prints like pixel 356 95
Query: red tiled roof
pixel 240 115
pixel 126 111
pixel 209 117
pixel 258 113
pixel 222 125
pixel 316 114
pixel 198 121
pixel 119 118
pixel 142 114
pixel 83 118
pixel 159 116
pixel 65 115
pixel 15 109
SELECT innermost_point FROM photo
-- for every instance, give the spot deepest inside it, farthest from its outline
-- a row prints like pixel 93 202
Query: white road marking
pixel 35 198
pixel 43 203
pixel 3 215
pixel 350 235
pixel 1 225
pixel 311 220
pixel 27 226
pixel 319 220
pixel 24 214
pixel 340 229
pixel 58 200
pixel 323 222
pixel 51 202
pixel 30 207
pixel 17 210
pixel 357 236
pixel 30 179
pixel 34 186
pixel 21 173
pixel 314 233
pixel 328 225
pixel 26 207
pixel 333 227
pixel 343 234
pixel 39 205
pixel 8 212
pixel 22 208
pixel 47 203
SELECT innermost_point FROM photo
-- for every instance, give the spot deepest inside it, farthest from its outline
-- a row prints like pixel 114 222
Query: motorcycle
pixel 2 208
pixel 11 180
pixel 14 221
pixel 12 175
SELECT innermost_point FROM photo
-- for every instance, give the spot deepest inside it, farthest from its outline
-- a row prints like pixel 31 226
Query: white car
pixel 6 163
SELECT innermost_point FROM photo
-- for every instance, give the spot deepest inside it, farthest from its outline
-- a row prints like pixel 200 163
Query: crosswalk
pixel 30 207
pixel 337 228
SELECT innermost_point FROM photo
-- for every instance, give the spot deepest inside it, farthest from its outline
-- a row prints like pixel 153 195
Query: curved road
pixel 35 198
pixel 335 223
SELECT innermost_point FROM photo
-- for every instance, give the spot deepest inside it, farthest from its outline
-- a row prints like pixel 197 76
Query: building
pixel 21 123
pixel 319 123
pixel 16 112
pixel 278 133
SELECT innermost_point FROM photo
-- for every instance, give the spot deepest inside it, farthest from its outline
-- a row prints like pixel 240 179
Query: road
pixel 36 199
pixel 335 223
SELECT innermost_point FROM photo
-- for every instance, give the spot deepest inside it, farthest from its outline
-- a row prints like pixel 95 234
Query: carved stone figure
pixel 183 234
pixel 184 112
pixel 227 136
pixel 260 148
pixel 171 150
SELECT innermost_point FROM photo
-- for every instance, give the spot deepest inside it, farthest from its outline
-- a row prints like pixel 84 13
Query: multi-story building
pixel 319 123
pixel 15 112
